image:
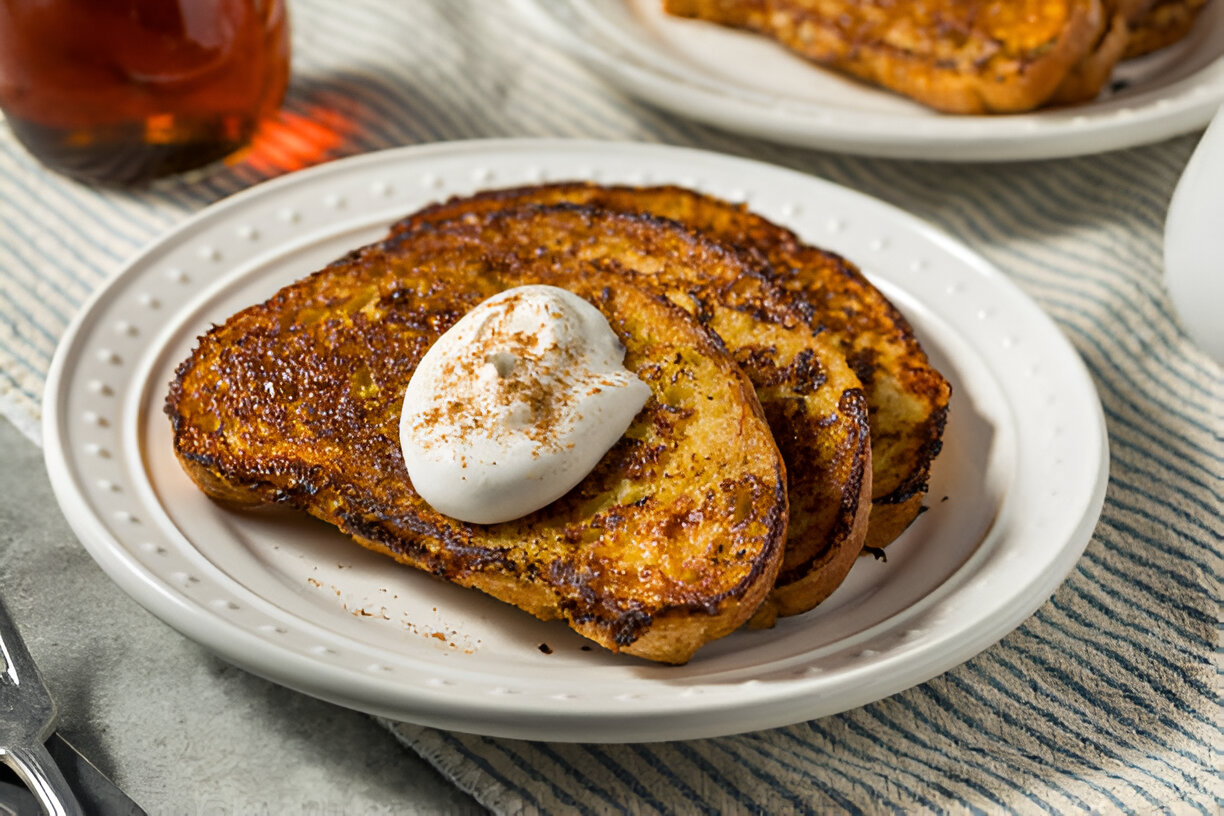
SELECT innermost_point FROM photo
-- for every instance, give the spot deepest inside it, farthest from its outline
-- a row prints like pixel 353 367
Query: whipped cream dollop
pixel 516 404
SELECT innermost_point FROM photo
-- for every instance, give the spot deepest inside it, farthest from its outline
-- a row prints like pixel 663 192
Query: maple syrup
pixel 124 91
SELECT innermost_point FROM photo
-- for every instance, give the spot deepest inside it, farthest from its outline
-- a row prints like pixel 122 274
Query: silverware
pixel 94 789
pixel 98 795
pixel 27 719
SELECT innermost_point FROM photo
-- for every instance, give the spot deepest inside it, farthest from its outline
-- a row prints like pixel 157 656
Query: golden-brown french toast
pixel 672 541
pixel 812 399
pixel 957 56
pixel 907 398
pixel 1161 25
pixel 1085 80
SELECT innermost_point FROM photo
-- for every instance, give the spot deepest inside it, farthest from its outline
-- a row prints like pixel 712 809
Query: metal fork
pixel 27 718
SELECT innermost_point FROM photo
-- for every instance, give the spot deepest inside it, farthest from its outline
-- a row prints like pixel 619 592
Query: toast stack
pixel 745 488
pixel 963 56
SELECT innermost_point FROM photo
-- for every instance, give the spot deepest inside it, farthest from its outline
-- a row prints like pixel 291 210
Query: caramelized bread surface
pixel 672 541
pixel 812 398
pixel 1085 80
pixel 1164 23
pixel 907 398
pixel 957 56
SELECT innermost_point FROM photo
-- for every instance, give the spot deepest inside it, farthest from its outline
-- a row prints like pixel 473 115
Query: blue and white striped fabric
pixel 1107 700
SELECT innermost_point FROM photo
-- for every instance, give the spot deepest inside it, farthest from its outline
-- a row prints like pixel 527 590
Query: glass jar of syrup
pixel 124 91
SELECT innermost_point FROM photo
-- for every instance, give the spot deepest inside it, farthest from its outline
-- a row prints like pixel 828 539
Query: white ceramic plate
pixel 747 84
pixel 1015 494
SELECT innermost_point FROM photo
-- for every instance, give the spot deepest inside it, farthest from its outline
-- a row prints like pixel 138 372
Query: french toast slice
pixel 906 397
pixel 812 399
pixel 1085 80
pixel 1161 25
pixel 957 56
pixel 672 541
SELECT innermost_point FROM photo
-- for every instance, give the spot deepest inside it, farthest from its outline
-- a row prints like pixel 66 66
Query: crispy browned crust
pixel 1084 82
pixel 907 398
pixel 812 399
pixel 672 541
pixel 1164 24
pixel 968 56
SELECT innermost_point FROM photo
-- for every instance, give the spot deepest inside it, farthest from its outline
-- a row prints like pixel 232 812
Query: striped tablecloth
pixel 1106 700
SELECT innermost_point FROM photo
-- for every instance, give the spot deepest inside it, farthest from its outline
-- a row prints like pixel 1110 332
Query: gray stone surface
pixel 180 730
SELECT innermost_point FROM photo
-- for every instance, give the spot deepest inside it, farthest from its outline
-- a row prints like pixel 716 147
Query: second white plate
pixel 1014 496
pixel 747 84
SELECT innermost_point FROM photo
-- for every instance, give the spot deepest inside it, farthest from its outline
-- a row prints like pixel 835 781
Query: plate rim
pixel 493 720
pixel 1186 105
